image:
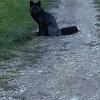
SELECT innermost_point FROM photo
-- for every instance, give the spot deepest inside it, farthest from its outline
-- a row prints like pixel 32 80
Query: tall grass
pixel 16 25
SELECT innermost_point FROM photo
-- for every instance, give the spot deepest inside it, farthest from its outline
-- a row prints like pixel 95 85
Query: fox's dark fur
pixel 47 23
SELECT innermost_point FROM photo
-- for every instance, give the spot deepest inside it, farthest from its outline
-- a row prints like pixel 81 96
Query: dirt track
pixel 58 68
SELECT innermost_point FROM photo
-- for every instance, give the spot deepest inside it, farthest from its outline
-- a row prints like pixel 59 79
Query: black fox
pixel 47 23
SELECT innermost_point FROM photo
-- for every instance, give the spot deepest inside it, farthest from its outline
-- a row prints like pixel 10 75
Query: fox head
pixel 37 3
pixel 35 7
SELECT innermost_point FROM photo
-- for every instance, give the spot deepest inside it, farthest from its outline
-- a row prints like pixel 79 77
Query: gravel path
pixel 57 68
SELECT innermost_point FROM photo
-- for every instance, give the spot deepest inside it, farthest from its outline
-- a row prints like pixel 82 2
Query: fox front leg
pixel 41 31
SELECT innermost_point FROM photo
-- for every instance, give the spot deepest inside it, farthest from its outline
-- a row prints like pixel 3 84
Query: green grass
pixel 16 25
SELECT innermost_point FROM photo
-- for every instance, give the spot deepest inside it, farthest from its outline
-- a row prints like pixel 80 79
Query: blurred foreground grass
pixel 16 25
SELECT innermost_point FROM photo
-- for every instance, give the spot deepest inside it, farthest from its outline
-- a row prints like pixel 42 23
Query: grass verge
pixel 16 25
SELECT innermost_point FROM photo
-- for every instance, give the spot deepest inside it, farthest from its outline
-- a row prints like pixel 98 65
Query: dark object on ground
pixel 69 30
pixel 47 23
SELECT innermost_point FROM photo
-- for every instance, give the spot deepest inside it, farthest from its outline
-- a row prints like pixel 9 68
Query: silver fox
pixel 47 23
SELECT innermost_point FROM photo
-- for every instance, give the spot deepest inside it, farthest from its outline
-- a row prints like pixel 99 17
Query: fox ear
pixel 31 3
pixel 38 3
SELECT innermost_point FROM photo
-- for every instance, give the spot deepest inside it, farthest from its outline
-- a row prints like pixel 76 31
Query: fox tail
pixel 69 30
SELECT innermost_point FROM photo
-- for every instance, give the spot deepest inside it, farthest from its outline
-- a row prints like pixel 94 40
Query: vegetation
pixel 16 25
